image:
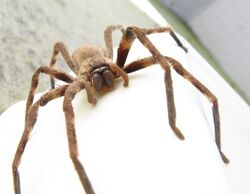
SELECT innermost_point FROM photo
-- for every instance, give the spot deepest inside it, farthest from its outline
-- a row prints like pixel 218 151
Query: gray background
pixel 29 29
pixel 223 27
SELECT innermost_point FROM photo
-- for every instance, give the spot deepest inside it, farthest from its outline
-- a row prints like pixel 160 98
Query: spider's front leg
pixel 129 37
pixel 170 102
pixel 141 35
pixel 166 29
pixel 146 62
pixel 61 75
pixel 30 121
pixel 70 93
pixel 207 93
pixel 165 63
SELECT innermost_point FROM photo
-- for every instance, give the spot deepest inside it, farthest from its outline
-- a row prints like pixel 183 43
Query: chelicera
pixel 95 71
pixel 102 76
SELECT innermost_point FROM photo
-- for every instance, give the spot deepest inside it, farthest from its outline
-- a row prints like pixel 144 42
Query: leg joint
pixel 14 166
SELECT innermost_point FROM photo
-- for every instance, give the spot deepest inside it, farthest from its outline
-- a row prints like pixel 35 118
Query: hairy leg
pixel 90 92
pixel 29 124
pixel 139 64
pixel 148 61
pixel 120 73
pixel 210 96
pixel 71 133
pixel 129 37
pixel 61 75
pixel 166 29
pixel 108 39
pixel 59 47
pixel 171 104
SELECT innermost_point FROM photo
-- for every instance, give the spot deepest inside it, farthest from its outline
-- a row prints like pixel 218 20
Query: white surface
pixel 146 7
pixel 125 141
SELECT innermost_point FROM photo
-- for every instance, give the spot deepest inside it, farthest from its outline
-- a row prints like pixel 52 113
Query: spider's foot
pixel 224 158
pixel 91 97
pixel 125 79
pixel 125 84
pixel 92 100
pixel 178 133
pixel 184 48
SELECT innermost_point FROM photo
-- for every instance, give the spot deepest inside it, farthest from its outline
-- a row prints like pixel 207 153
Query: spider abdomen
pixel 85 52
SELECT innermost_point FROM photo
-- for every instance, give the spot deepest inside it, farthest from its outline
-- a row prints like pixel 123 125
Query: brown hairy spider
pixel 95 71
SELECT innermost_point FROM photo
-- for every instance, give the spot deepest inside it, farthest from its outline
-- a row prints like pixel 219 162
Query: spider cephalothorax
pixel 95 69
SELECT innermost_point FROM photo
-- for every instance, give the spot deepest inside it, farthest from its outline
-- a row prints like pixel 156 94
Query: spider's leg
pixel 59 74
pixel 129 37
pixel 171 104
pixel 210 96
pixel 70 93
pixel 90 92
pixel 139 64
pixel 146 62
pixel 59 47
pixel 156 58
pixel 124 47
pixel 120 73
pixel 108 39
pixel 165 62
pixel 166 29
pixel 29 124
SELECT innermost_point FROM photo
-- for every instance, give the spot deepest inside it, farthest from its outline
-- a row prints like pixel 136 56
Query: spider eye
pixel 108 78
pixel 97 81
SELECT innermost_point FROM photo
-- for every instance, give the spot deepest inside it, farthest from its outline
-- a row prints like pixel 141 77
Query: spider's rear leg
pixel 129 37
pixel 59 47
pixel 29 124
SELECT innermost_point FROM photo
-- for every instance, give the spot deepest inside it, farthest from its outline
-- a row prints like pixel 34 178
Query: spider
pixel 95 71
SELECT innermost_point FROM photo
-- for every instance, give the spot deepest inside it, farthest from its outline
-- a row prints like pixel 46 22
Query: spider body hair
pixel 95 66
